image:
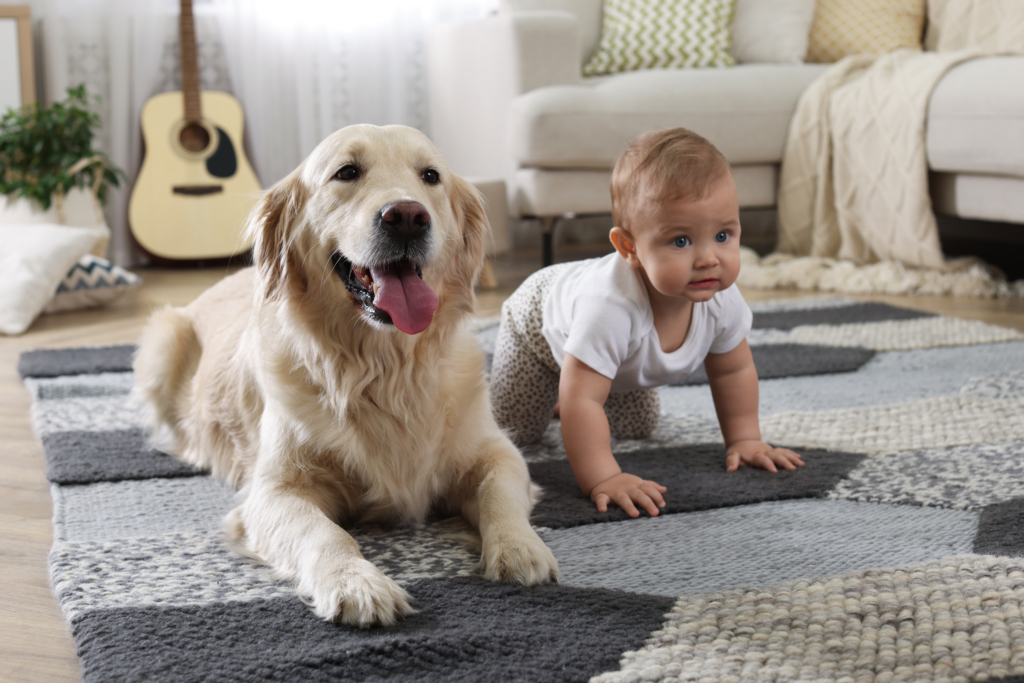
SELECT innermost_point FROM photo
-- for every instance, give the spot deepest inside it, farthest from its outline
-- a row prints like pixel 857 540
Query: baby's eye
pixel 722 237
pixel 681 242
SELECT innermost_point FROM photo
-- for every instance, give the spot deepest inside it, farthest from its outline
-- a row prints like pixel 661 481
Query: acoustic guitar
pixel 195 186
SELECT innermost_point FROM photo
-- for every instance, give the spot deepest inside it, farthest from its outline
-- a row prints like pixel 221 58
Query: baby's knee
pixel 634 415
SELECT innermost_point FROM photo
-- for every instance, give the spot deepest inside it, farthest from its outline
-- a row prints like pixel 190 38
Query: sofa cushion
pixel 774 32
pixel 744 111
pixel 842 28
pixel 984 197
pixel 976 118
pixel 554 192
pixel 991 25
pixel 771 32
pixel 660 34
pixel 587 13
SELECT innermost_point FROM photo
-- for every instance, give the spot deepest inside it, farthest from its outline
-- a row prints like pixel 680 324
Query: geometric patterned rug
pixel 895 554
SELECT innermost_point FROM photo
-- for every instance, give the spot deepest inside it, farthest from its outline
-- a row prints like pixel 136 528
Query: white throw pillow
pixel 773 31
pixel 34 259
pixel 81 210
pixel 93 281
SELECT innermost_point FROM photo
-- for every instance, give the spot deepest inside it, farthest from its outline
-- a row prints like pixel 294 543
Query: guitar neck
pixel 189 64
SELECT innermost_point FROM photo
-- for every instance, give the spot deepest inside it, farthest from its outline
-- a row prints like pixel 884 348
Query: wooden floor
pixel 34 641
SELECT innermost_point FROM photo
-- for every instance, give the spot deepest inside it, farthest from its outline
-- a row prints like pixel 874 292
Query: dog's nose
pixel 405 218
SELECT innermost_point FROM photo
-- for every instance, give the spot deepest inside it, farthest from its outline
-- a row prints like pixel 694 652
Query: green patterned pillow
pixel 663 34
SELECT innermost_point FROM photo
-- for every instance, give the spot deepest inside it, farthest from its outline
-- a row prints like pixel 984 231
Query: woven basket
pixel 79 207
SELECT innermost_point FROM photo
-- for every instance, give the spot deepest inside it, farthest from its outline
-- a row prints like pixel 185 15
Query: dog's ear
pixel 271 228
pixel 468 207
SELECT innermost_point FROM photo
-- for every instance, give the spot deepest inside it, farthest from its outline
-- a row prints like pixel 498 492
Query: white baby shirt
pixel 598 311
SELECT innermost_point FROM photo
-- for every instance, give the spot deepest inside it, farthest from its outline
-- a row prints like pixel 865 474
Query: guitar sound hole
pixel 194 137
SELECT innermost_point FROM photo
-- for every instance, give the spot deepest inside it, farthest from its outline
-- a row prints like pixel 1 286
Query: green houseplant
pixel 45 152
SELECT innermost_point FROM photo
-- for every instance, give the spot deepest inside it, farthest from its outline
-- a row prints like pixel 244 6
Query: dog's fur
pixel 280 381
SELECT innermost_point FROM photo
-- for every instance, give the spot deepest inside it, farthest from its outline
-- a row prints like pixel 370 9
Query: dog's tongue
pixel 405 297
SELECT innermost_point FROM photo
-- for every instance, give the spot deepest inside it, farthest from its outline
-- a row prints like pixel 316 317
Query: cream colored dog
pixel 335 381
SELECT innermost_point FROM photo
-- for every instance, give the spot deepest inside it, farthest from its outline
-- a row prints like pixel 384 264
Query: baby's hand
pixel 760 454
pixel 624 490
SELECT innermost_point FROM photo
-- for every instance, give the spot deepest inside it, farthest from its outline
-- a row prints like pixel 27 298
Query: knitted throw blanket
pixel 853 189
pixel 895 554
pixel 854 181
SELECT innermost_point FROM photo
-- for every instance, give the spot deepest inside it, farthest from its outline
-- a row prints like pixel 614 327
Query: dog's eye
pixel 431 177
pixel 348 172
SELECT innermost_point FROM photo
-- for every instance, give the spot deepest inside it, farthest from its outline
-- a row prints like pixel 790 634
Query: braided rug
pixel 895 554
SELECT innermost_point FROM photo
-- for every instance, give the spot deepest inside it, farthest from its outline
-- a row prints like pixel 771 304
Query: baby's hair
pixel 674 163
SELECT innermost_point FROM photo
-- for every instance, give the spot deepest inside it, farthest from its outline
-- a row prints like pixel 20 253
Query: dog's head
pixel 373 221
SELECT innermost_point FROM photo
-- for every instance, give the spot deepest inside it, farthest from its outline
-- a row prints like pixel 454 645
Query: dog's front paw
pixel 359 594
pixel 519 557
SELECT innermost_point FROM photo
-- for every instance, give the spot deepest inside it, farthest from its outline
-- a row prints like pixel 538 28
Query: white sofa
pixel 508 101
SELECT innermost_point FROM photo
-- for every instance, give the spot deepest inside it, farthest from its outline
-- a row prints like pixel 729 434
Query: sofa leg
pixel 547 225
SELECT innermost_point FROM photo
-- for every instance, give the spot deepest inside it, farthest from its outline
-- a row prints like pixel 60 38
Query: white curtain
pixel 306 68
pixel 301 69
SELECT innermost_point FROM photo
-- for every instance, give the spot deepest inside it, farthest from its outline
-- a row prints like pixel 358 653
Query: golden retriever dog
pixel 335 381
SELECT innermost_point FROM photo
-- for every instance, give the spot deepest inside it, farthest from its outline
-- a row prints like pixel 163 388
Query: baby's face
pixel 691 248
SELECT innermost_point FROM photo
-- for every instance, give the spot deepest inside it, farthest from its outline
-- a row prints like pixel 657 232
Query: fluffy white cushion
pixel 81 210
pixel 91 282
pixel 771 31
pixel 34 260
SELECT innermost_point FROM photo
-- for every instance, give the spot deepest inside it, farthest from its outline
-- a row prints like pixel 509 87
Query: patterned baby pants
pixel 524 376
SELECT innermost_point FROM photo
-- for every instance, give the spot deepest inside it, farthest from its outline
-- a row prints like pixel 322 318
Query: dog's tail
pixel 165 363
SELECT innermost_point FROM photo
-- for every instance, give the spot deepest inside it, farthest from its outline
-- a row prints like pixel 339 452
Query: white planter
pixel 81 210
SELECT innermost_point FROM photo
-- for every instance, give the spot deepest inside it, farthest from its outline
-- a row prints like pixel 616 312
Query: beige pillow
pixel 990 25
pixel 854 27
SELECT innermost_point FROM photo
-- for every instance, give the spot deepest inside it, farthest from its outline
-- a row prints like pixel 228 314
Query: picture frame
pixel 17 67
